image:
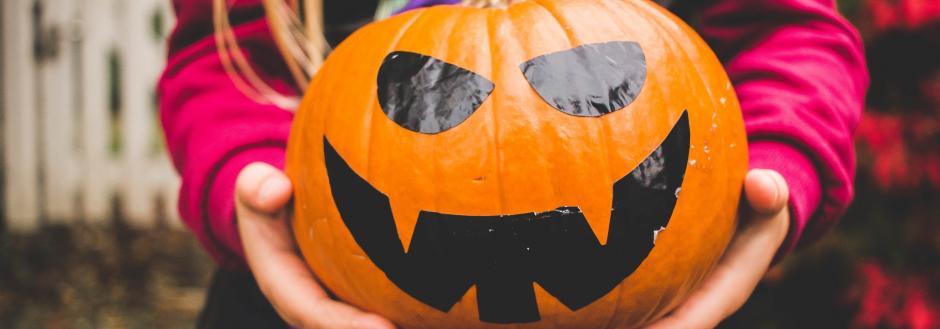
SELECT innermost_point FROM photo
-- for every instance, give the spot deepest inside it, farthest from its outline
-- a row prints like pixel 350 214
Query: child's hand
pixel 261 194
pixel 760 233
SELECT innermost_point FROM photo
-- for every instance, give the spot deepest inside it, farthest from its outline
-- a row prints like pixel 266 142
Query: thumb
pixel 766 191
pixel 262 187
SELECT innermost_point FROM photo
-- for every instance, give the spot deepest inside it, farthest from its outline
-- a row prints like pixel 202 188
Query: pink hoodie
pixel 797 66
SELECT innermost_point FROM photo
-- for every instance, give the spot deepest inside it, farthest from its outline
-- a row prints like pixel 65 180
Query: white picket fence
pixel 80 127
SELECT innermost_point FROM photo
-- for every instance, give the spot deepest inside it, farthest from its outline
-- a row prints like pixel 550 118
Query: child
pixel 797 67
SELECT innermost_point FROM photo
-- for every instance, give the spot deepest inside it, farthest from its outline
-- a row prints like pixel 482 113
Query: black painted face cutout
pixel 427 95
pixel 589 80
pixel 503 255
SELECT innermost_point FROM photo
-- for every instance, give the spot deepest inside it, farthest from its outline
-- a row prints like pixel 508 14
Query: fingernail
pixel 271 186
pixel 773 182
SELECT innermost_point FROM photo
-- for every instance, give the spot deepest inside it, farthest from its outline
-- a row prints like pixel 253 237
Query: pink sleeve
pixel 212 129
pixel 799 71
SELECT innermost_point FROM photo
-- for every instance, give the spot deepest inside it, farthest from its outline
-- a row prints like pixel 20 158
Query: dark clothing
pixel 235 301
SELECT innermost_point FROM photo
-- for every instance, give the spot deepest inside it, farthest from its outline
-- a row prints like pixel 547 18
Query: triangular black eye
pixel 426 95
pixel 589 80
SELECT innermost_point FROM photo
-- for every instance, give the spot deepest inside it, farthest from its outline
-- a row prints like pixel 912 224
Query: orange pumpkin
pixel 551 163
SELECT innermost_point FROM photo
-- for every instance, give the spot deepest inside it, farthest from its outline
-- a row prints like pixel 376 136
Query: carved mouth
pixel 504 255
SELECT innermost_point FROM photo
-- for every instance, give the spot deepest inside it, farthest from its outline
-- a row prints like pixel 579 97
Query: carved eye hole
pixel 427 95
pixel 589 80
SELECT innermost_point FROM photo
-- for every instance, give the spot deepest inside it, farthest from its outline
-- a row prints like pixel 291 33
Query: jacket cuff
pixel 220 223
pixel 802 180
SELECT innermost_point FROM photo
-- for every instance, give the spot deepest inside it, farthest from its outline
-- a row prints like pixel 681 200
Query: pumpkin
pixel 547 163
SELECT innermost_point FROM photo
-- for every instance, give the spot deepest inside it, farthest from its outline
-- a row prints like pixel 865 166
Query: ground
pixel 96 277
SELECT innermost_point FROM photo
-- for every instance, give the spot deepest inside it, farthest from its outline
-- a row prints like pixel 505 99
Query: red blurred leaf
pixel 905 14
pixel 890 301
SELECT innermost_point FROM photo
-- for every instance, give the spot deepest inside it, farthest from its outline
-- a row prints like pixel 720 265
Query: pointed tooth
pixel 598 218
pixel 597 211
pixel 406 218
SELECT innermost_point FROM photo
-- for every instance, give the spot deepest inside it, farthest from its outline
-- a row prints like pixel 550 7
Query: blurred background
pixel 89 235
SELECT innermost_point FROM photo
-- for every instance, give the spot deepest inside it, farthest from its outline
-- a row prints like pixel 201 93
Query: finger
pixel 281 274
pixel 284 278
pixel 263 188
pixel 765 191
pixel 735 276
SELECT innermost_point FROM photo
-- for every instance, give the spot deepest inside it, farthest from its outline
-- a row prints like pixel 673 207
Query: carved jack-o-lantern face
pixel 460 166
pixel 502 254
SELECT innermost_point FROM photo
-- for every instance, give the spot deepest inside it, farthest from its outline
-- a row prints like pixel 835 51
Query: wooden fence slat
pixel 19 107
pixel 140 62
pixel 135 124
pixel 99 174
pixel 57 110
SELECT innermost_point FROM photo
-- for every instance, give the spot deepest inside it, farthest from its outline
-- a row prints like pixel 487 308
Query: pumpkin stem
pixel 489 3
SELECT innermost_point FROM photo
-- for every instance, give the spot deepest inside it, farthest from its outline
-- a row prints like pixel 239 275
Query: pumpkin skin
pixel 518 154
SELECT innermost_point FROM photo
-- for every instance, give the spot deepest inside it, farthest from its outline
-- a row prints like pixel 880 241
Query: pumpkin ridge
pixel 322 114
pixel 404 29
pixel 546 166
pixel 491 26
pixel 374 108
pixel 699 78
pixel 347 263
pixel 561 22
pixel 609 10
pixel 610 176
pixel 678 48
pixel 557 196
pixel 442 50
